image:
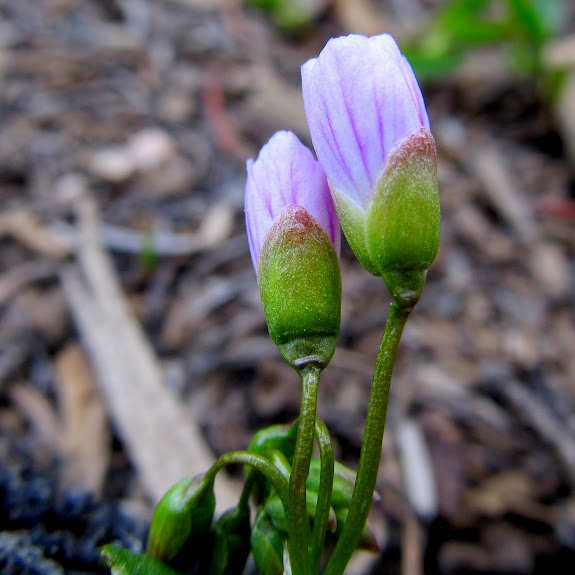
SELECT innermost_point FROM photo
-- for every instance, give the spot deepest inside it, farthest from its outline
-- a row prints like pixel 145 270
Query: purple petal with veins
pixel 361 98
pixel 286 173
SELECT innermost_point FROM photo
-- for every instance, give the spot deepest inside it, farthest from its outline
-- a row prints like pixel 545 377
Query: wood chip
pixel 361 17
pixel 86 435
pixel 42 311
pixel 417 469
pixel 273 104
pixel 446 448
pixel 550 266
pixel 39 413
pixel 500 494
pixel 13 356
pixel 499 187
pixel 412 546
pixel 216 227
pixel 25 227
pixel 560 53
pixel 543 421
pixel 362 562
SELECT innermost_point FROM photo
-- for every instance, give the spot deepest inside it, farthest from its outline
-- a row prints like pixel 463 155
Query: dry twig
pixel 165 445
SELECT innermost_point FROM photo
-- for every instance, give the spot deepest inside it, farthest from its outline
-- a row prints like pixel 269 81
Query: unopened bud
pixel 187 509
pixel 300 286
pixel 232 542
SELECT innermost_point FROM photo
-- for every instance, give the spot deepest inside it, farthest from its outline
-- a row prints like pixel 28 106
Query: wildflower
pixel 370 130
pixel 293 233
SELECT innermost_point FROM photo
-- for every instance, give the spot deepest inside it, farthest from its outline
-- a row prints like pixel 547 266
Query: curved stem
pixel 372 442
pixel 299 531
pixel 323 496
pixel 278 480
pixel 249 483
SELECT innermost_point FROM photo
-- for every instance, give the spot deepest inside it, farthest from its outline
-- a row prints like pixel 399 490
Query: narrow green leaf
pixel 125 562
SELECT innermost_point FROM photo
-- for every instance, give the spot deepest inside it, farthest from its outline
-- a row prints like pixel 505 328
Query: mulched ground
pixel 136 117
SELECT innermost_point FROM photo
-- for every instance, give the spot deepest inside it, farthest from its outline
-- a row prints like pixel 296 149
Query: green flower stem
pixel 299 531
pixel 249 483
pixel 261 464
pixel 323 496
pixel 372 443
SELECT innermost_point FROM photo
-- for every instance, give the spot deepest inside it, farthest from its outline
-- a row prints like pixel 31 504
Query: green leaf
pixel 281 437
pixel 267 546
pixel 343 482
pixel 148 253
pixel 429 67
pixel 232 542
pixel 265 5
pixel 524 59
pixel 535 20
pixel 552 15
pixel 468 23
pixel 125 562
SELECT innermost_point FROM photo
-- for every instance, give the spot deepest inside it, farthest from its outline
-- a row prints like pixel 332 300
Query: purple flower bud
pixel 370 130
pixel 361 98
pixel 286 174
pixel 294 238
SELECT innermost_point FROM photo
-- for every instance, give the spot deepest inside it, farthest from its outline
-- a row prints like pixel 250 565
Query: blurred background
pixel 133 347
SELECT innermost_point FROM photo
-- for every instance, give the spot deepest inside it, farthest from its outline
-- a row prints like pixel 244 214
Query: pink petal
pixel 361 97
pixel 286 173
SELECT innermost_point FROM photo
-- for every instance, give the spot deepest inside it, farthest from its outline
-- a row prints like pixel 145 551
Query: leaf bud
pixel 186 510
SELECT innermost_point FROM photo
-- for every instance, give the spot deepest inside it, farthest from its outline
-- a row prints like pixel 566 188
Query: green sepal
pixel 232 542
pixel 300 287
pixel 404 218
pixel 220 559
pixel 274 439
pixel 343 482
pixel 274 509
pixel 186 510
pixel 263 486
pixel 280 461
pixel 368 540
pixel 353 221
pixel 125 562
pixel 406 287
pixel 276 512
pixel 267 545
pixel 280 437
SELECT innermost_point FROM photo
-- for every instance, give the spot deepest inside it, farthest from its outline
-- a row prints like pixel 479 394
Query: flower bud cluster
pixel 377 173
